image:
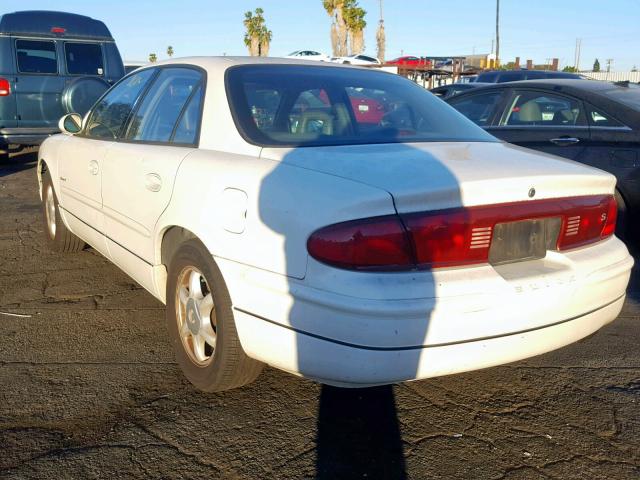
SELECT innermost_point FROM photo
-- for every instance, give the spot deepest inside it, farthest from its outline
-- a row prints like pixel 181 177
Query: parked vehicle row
pixel 51 63
pixel 337 223
pixel 595 123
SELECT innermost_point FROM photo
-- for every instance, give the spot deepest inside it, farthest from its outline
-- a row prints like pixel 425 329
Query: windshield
pixel 291 105
pixel 629 95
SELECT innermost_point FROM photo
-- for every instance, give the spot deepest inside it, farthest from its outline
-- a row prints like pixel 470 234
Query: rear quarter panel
pixel 260 212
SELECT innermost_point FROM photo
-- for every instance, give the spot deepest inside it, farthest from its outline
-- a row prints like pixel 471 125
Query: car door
pixel 81 157
pixel 139 171
pixel 544 121
pixel 615 148
pixel 481 107
pixel 38 84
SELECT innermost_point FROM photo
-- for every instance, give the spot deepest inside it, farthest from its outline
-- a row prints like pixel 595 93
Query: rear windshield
pixel 630 96
pixel 83 58
pixel 295 105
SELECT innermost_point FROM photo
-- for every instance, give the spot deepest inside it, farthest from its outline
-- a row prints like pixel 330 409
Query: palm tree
pixel 257 37
pixel 380 37
pixel 335 9
pixel 170 51
pixel 354 19
pixel 153 57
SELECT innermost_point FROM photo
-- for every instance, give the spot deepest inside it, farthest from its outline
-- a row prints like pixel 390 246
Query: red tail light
pixel 588 224
pixel 374 243
pixel 454 237
pixel 5 87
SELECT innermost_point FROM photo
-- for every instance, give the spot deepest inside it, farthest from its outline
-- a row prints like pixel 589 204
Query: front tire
pixel 57 235
pixel 201 326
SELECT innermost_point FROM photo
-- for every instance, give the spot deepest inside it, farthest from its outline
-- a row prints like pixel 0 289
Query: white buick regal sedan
pixel 338 223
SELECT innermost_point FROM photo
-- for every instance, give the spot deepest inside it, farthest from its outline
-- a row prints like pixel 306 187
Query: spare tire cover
pixel 81 93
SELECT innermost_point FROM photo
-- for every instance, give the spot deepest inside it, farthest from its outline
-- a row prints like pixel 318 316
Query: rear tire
pixel 201 326
pixel 57 235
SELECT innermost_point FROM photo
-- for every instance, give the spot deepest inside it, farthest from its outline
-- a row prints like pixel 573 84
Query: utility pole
pixel 576 62
pixel 609 62
pixel 497 32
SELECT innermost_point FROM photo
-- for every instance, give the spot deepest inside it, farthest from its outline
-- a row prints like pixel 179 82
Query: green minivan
pixel 51 63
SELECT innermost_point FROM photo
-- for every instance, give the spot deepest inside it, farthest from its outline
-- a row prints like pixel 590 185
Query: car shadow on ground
pixel 358 434
pixel 18 162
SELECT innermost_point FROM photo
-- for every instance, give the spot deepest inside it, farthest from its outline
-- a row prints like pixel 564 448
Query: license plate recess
pixel 523 240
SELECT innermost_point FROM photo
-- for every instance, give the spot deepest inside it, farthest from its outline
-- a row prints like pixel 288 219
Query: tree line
pixel 347 29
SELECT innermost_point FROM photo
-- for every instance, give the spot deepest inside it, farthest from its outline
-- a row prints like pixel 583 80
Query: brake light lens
pixel 58 30
pixel 454 237
pixel 591 222
pixel 375 243
pixel 5 87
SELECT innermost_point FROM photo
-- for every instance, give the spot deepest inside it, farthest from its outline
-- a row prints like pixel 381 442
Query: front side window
pixel 163 104
pixel 36 56
pixel 478 108
pixel 291 105
pixel 109 116
pixel 543 109
pixel 83 58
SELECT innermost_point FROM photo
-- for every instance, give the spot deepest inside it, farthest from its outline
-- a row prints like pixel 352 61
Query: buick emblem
pixel 532 192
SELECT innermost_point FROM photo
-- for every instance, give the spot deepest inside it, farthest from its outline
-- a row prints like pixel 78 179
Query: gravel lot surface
pixel 89 389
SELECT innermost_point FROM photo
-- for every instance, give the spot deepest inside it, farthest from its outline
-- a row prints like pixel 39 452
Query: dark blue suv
pixel 51 63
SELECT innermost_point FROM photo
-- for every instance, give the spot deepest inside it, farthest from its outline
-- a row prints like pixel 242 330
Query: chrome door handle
pixel 94 168
pixel 564 141
pixel 153 182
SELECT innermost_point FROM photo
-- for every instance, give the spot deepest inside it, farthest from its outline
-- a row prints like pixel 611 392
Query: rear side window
pixel 112 111
pixel 163 104
pixel 598 118
pixel 189 125
pixel 83 58
pixel 36 56
pixel 478 108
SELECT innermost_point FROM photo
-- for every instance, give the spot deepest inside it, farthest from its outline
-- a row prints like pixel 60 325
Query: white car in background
pixel 309 55
pixel 283 224
pixel 357 60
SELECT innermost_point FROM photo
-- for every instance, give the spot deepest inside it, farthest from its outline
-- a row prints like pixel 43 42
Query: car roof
pixel 39 23
pixel 566 84
pixel 524 71
pixel 225 62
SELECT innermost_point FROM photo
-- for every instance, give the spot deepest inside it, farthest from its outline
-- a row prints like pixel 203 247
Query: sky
pixel 536 30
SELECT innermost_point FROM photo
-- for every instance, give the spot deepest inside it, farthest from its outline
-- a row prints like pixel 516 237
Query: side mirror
pixel 70 124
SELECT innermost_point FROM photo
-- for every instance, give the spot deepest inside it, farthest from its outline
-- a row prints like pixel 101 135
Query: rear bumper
pixel 25 135
pixel 396 327
pixel 355 366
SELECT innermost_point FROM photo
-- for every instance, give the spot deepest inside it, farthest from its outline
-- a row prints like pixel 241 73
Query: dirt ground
pixel 89 389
